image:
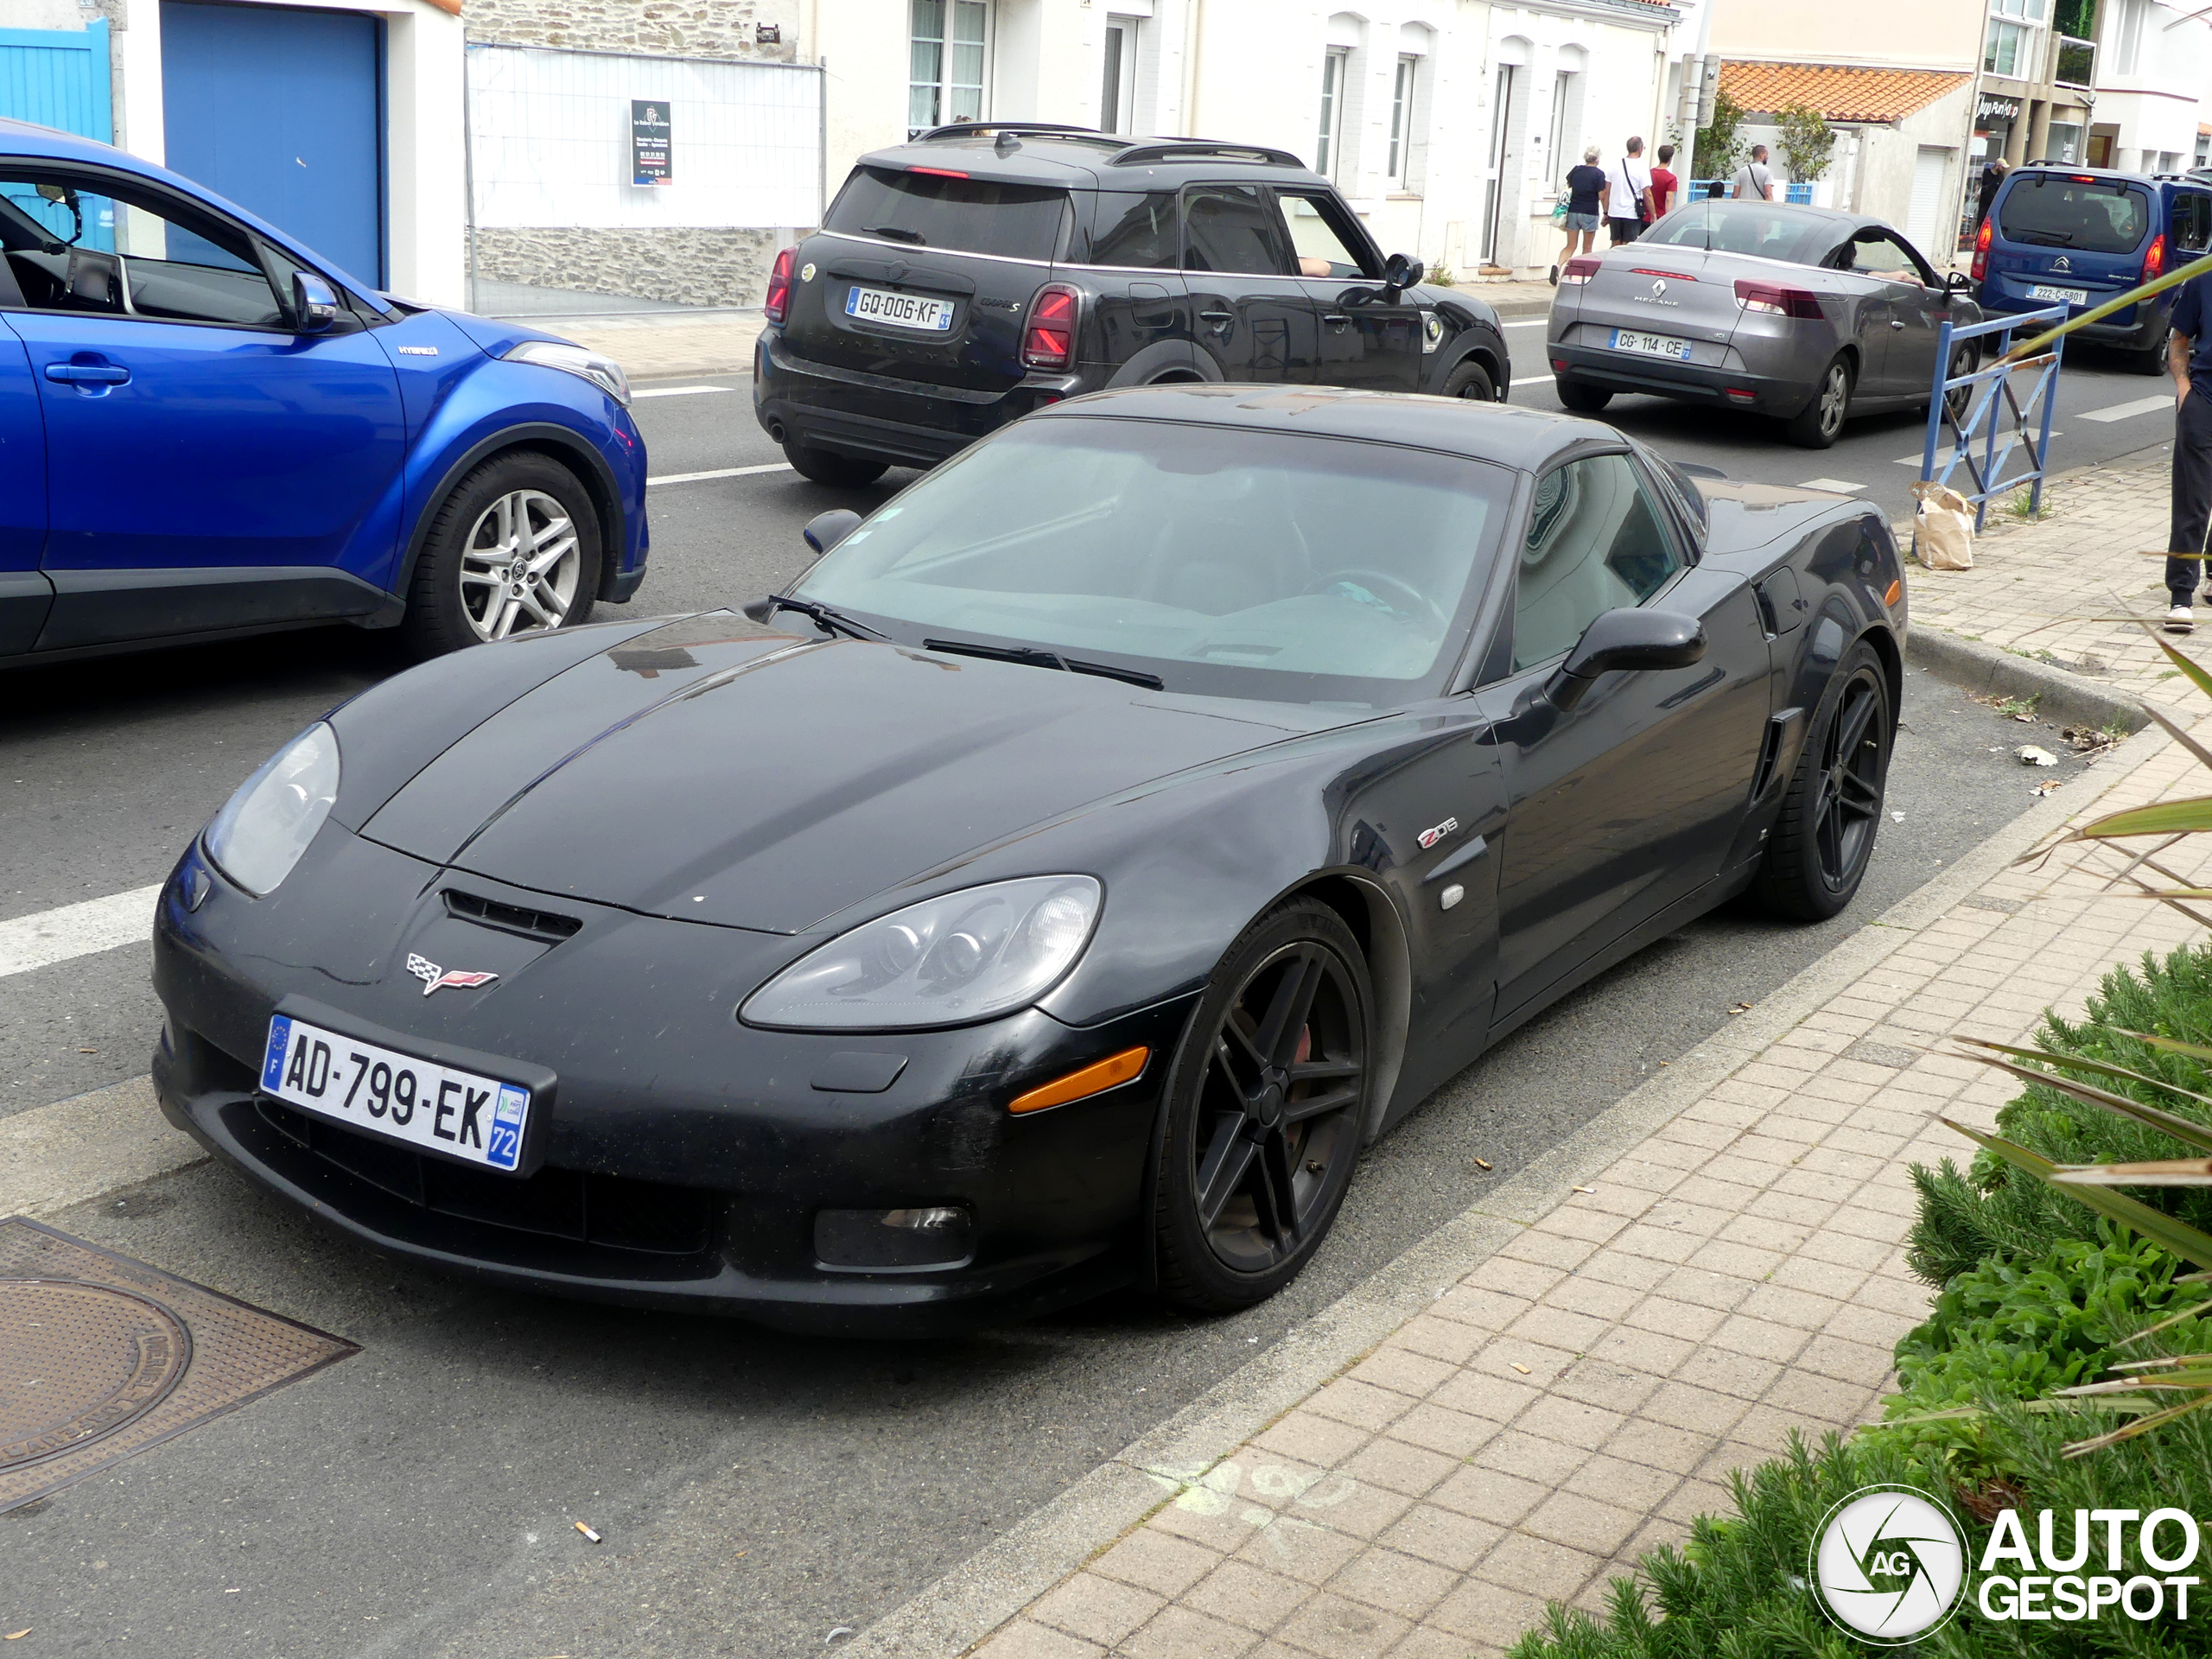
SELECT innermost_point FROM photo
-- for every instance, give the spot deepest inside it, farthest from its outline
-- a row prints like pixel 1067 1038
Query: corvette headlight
pixel 967 956
pixel 263 829
pixel 602 371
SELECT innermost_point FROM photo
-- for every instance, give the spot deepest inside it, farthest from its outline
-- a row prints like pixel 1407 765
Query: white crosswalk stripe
pixel 2128 412
pixel 1943 450
pixel 1838 486
pixel 720 472
pixel 52 936
pixel 677 392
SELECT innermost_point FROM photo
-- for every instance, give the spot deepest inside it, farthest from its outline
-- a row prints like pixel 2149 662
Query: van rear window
pixel 2051 210
pixel 1018 222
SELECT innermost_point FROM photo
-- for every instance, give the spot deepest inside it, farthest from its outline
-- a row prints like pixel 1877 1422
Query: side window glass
pixel 70 247
pixel 1320 245
pixel 1135 231
pixel 1233 227
pixel 1595 544
pixel 2192 223
pixel 1874 254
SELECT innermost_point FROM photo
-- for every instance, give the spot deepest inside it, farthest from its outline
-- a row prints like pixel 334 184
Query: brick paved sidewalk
pixel 1739 1273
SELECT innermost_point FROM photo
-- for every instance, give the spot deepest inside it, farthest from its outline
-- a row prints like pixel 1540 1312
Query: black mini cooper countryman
pixel 964 279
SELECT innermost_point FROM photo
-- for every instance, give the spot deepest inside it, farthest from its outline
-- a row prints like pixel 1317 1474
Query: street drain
pixel 101 1357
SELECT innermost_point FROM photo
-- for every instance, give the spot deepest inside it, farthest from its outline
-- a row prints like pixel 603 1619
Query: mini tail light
pixel 1578 271
pixel 778 305
pixel 1981 251
pixel 1048 341
pixel 1780 300
pixel 2154 259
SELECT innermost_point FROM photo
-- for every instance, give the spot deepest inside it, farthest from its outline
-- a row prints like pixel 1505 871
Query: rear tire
pixel 1264 1111
pixel 827 467
pixel 1823 837
pixel 2151 359
pixel 1472 381
pixel 1819 423
pixel 1965 359
pixel 522 517
pixel 1581 397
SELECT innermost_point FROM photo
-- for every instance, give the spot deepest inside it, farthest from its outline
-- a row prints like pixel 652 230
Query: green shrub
pixel 1992 1208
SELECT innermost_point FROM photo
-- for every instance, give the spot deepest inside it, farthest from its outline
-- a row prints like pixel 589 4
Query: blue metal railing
pixel 1974 418
pixel 1700 189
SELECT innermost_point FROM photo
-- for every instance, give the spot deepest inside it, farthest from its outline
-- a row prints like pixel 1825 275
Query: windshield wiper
pixel 829 620
pixel 1038 657
pixel 896 233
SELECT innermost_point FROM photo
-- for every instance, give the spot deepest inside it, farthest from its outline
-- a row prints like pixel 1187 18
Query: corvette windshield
pixel 1225 561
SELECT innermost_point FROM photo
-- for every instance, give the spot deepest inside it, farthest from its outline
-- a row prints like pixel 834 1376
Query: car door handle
pixel 1896 322
pixel 1337 319
pixel 1218 320
pixel 88 374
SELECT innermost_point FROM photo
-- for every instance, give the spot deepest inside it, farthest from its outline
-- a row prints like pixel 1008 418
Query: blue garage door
pixel 283 111
pixel 57 78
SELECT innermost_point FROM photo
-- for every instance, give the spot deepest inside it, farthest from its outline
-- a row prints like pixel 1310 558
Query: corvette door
pixel 1627 803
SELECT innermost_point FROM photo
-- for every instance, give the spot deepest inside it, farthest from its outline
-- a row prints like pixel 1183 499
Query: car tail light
pixel 1774 298
pixel 1558 365
pixel 1578 271
pixel 778 305
pixel 1048 342
pixel 1671 275
pixel 1742 395
pixel 2154 259
pixel 938 172
pixel 1981 251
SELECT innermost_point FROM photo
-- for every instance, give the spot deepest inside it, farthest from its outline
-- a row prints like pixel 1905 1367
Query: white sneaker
pixel 2179 620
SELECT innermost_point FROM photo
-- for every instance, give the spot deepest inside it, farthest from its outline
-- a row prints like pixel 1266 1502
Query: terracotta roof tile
pixel 1841 94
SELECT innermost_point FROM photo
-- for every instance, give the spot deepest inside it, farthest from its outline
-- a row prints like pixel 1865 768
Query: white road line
pixel 1525 322
pixel 1837 484
pixel 52 936
pixel 1943 450
pixel 678 392
pixel 720 472
pixel 2127 411
pixel 1534 380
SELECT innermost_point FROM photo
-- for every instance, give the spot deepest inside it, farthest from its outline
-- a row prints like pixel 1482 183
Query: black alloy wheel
pixel 1472 381
pixel 1264 1112
pixel 1824 837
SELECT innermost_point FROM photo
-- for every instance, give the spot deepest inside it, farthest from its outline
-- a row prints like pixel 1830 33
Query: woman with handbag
pixel 1585 185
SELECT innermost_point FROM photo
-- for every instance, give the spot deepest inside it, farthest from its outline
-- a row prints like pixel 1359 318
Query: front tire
pixel 513 549
pixel 1472 381
pixel 1581 397
pixel 1819 423
pixel 1824 837
pixel 827 467
pixel 1264 1111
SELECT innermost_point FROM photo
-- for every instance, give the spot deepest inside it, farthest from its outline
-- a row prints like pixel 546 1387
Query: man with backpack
pixel 1628 194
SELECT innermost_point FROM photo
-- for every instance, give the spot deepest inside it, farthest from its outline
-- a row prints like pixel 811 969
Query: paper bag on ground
pixel 1942 526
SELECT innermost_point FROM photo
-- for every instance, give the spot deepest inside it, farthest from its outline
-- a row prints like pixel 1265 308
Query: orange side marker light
pixel 1896 593
pixel 1096 1078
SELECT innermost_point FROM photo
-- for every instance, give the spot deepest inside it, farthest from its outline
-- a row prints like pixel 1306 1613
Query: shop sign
pixel 649 142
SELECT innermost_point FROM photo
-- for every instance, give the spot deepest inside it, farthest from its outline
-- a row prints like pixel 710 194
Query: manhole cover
pixel 79 1362
pixel 102 1357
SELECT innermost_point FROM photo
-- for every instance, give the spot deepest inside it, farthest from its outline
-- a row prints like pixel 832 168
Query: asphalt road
pixel 755 1491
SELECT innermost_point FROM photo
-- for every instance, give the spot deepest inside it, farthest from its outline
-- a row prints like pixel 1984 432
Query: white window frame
pixel 944 91
pixel 2022 37
pixel 1336 77
pixel 1404 89
pixel 1118 73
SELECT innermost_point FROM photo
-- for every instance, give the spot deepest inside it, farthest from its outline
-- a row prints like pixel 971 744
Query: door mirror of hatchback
pixel 825 530
pixel 1958 282
pixel 314 303
pixel 1400 273
pixel 1630 640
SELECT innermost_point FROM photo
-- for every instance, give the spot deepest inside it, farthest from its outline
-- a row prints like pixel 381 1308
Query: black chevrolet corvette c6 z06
pixel 1057 889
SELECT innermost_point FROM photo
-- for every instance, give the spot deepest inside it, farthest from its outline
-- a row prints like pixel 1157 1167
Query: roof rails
pixel 1010 128
pixel 1176 150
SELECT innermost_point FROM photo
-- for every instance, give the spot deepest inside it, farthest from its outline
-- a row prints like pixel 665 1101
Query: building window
pixel 1401 117
pixel 2005 50
pixel 1117 95
pixel 946 76
pixel 1335 66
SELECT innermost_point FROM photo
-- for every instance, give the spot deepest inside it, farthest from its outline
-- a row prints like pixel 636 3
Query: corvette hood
pixel 715 770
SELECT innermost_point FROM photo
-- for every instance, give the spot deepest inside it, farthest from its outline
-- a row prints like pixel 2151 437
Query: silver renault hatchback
pixel 1804 314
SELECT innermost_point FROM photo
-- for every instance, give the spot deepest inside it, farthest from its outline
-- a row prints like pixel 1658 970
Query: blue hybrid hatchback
pixel 207 431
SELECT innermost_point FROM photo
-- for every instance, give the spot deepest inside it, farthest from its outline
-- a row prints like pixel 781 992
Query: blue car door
pixel 24 593
pixel 208 466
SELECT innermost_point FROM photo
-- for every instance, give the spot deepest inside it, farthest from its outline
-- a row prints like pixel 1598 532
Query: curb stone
pixel 2065 694
pixel 966 1605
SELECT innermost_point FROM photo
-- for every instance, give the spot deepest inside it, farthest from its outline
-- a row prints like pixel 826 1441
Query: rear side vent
pixel 541 925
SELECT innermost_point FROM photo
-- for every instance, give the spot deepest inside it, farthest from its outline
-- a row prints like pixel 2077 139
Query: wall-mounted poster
pixel 649 142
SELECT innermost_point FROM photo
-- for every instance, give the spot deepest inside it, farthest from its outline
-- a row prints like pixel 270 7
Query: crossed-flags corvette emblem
pixel 436 978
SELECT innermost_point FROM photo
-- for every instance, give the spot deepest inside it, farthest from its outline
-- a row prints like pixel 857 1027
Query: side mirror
pixel 1626 639
pixel 314 303
pixel 825 530
pixel 1958 283
pixel 1400 273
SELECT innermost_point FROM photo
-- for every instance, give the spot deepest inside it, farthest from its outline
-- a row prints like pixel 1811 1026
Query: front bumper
pixel 683 1164
pixel 880 417
pixel 1701 382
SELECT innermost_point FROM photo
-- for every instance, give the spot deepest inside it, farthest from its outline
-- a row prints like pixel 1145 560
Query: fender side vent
pixel 544 925
pixel 1779 728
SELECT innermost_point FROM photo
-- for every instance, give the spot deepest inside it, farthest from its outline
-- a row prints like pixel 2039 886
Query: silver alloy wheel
pixel 1835 399
pixel 519 567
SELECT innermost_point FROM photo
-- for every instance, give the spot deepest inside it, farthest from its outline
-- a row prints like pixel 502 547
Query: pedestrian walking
pixel 1627 195
pixel 1753 181
pixel 1586 187
pixel 2189 355
pixel 1991 176
pixel 1664 183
